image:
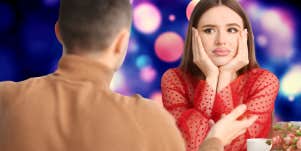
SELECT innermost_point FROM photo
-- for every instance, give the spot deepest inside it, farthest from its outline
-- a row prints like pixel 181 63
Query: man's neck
pixel 102 58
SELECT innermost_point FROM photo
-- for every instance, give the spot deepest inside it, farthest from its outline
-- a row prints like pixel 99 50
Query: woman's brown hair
pixel 187 64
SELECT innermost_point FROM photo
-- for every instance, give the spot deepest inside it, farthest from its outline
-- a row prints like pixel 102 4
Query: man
pixel 74 109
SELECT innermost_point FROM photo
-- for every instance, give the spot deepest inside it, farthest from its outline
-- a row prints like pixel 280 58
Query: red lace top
pixel 193 103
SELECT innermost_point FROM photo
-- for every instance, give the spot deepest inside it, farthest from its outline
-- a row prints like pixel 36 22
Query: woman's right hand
pixel 200 57
pixel 229 126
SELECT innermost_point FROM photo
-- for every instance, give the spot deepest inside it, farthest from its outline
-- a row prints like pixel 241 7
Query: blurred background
pixel 29 48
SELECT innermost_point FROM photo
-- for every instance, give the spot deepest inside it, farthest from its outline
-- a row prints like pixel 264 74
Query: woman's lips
pixel 221 52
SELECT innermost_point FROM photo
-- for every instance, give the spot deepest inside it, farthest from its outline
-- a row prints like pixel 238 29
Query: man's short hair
pixel 88 25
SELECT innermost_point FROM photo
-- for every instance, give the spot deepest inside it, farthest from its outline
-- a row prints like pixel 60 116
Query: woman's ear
pixel 58 32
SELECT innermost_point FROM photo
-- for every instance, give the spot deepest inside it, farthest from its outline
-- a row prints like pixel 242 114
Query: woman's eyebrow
pixel 233 24
pixel 227 25
pixel 208 25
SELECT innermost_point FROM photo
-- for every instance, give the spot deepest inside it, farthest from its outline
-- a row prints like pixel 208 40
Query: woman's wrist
pixel 212 80
pixel 231 75
pixel 225 78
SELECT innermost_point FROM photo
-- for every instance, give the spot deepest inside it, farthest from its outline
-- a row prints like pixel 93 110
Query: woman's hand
pixel 242 57
pixel 229 126
pixel 200 57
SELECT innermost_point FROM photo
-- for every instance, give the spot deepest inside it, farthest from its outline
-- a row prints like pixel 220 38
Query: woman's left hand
pixel 242 57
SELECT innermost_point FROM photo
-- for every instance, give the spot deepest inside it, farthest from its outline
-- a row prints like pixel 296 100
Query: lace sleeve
pixel 192 122
pixel 260 97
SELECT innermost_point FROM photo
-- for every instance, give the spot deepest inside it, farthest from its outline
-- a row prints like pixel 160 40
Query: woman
pixel 218 72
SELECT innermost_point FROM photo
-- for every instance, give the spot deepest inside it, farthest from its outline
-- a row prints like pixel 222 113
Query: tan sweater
pixel 73 109
pixel 211 144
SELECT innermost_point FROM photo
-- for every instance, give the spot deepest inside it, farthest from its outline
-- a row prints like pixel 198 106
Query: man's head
pixel 92 26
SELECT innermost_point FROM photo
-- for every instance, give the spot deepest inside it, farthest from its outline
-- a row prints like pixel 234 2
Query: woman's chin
pixel 221 63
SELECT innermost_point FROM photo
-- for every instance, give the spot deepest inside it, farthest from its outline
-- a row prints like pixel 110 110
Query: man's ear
pixel 58 32
pixel 122 41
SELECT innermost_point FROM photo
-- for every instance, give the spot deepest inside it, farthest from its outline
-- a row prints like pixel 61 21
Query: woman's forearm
pixel 224 79
pixel 212 80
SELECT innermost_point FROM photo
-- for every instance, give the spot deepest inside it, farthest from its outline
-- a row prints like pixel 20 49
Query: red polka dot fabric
pixel 193 103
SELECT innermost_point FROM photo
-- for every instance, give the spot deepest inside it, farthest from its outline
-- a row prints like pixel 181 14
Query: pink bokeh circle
pixel 190 8
pixel 169 46
pixel 146 18
pixel 172 17
pixel 148 74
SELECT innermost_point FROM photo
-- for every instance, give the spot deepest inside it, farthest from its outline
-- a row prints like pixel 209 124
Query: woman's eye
pixel 232 30
pixel 209 30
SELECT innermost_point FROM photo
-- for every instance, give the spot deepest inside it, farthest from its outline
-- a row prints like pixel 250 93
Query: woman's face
pixel 219 29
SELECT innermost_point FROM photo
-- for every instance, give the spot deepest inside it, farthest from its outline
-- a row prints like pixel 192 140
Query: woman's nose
pixel 220 38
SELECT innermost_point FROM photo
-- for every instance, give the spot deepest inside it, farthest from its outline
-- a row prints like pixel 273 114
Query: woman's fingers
pixel 200 57
pixel 245 45
pixel 194 44
pixel 240 133
pixel 199 41
pixel 251 120
pixel 200 49
pixel 241 36
pixel 237 112
pixel 241 43
pixel 197 52
pixel 241 59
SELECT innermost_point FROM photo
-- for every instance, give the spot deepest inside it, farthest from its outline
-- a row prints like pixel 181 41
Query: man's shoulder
pixel 7 86
pixel 143 102
pixel 151 108
pixel 156 121
pixel 12 84
pixel 10 88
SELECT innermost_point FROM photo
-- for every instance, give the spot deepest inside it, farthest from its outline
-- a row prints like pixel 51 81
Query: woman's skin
pixel 220 46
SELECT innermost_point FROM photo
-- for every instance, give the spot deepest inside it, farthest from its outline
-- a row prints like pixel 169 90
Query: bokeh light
pixel 253 9
pixel 143 61
pixel 291 82
pixel 276 31
pixel 133 46
pixel 169 46
pixel 190 8
pixel 148 74
pixel 172 17
pixel 147 18
pixel 262 40
pixel 273 21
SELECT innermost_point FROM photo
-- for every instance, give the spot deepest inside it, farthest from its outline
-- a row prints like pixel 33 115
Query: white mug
pixel 259 144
